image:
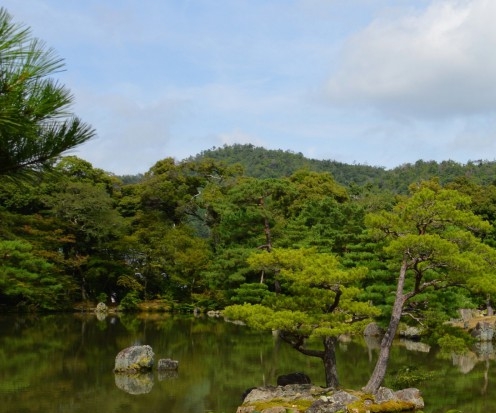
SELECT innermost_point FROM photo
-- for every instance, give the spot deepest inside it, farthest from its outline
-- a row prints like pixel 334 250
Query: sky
pixel 375 82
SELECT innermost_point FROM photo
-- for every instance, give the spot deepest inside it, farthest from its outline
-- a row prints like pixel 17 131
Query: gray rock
pixel 483 331
pixel 411 395
pixel 167 364
pixel 276 409
pixel 321 406
pixel 101 308
pixel 342 397
pixel 373 330
pixel 288 393
pixel 336 402
pixel 384 395
pixel 245 409
pixel 411 333
pixel 467 314
pixel 134 359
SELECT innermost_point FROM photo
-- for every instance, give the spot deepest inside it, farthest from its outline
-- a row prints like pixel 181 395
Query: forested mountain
pixel 259 162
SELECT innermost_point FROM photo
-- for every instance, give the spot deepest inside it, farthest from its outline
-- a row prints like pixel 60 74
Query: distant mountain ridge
pixel 259 162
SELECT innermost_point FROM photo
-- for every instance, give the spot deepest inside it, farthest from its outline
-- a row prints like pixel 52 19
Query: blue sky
pixel 377 82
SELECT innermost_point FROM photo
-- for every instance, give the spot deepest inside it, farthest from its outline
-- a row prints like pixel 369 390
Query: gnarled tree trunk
pixel 328 355
pixel 329 359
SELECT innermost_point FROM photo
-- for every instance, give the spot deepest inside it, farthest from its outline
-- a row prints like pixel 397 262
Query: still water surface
pixel 63 363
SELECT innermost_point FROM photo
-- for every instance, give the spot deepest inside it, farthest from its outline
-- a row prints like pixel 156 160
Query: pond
pixel 64 363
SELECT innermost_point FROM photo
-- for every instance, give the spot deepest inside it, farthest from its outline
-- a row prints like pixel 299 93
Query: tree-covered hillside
pixel 259 162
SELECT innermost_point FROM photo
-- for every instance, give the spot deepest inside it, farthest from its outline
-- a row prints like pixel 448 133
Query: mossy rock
pixel 392 406
pixel 293 406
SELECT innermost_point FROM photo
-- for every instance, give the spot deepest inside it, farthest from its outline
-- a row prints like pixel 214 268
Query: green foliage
pixel 130 302
pixel 35 122
pixel 29 281
pixel 102 298
pixel 433 241
pixel 453 344
pixel 252 293
pixel 263 163
pixel 129 283
pixel 444 334
pixel 314 298
pixel 437 235
pixel 409 376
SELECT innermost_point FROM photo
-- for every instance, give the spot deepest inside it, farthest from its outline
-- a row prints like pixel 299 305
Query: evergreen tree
pixel 35 122
pixel 314 301
pixel 432 243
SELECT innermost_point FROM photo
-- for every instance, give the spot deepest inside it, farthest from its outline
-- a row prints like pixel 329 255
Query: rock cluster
pixel 309 398
pixel 133 369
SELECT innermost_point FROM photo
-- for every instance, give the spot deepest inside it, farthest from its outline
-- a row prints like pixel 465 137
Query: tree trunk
pixel 329 359
pixel 328 355
pixel 490 311
pixel 379 372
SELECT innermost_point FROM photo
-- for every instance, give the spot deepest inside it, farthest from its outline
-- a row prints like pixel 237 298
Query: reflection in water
pixel 465 362
pixel 413 345
pixel 167 374
pixel 65 363
pixel 134 383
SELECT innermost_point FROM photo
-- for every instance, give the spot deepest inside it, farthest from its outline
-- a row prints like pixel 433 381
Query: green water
pixel 63 363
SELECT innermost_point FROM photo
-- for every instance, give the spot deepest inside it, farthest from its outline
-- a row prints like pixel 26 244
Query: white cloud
pixel 438 62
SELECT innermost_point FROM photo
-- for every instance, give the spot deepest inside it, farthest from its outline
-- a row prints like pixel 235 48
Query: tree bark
pixel 328 355
pixel 379 372
pixel 329 359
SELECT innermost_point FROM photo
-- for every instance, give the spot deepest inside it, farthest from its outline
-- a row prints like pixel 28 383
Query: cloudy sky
pixel 377 82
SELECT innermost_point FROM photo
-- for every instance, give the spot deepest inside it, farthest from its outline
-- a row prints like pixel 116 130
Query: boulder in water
pixel 134 359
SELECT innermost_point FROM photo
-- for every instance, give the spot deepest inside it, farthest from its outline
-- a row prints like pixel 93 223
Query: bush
pixel 409 376
pixel 130 302
pixel 102 298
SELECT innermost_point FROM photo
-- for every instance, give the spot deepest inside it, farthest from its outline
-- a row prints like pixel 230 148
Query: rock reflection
pixel 483 351
pixel 465 362
pixel 134 383
pixel 167 375
pixel 101 316
pixel 413 345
